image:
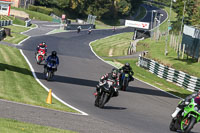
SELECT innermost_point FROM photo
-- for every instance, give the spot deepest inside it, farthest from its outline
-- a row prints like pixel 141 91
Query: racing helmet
pixel 114 73
pixel 53 53
pixel 127 64
pixel 43 44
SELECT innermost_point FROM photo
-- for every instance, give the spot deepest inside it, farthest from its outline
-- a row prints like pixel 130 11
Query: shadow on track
pixel 114 108
pixel 92 83
pixel 70 80
pixel 148 91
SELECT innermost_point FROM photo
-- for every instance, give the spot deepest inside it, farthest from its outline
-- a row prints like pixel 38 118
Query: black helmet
pixel 127 64
pixel 114 73
pixel 53 53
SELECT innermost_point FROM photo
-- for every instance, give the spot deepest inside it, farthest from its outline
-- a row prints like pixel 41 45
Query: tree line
pixel 103 9
pixel 190 16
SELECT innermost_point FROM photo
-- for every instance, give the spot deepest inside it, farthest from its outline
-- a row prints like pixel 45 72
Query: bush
pixel 41 9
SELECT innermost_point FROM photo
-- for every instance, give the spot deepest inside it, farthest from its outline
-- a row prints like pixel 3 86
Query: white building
pixel 5 7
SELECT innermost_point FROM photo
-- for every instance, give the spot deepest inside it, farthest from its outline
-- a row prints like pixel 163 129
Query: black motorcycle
pixel 124 81
pixel 104 95
pixel 49 70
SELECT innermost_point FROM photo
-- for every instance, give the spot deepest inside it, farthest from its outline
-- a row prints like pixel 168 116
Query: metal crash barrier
pixel 180 78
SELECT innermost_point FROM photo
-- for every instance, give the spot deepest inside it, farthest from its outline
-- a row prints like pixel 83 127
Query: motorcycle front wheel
pixel 189 125
pixel 48 75
pixel 103 99
pixel 172 125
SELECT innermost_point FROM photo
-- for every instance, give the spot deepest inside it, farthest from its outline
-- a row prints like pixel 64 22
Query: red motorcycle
pixel 40 56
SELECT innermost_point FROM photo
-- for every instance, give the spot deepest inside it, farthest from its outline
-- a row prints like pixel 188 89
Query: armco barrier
pixel 5 22
pixel 182 79
pixel 74 26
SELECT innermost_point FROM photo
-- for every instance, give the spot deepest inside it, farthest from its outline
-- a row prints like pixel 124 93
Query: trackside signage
pixel 137 24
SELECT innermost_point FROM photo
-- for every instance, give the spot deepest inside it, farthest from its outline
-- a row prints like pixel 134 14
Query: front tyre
pixel 191 123
pixel 48 75
pixel 172 125
pixel 103 99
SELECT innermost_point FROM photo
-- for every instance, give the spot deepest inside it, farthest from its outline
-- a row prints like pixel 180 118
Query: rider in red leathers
pixel 42 46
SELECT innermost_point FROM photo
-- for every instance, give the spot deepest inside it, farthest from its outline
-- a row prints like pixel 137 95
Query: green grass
pixel 15 20
pixel 16 35
pixel 119 44
pixel 14 126
pixel 35 15
pixel 156 51
pixel 18 84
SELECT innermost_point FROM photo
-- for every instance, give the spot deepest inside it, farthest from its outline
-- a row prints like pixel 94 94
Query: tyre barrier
pixel 180 78
pixel 5 22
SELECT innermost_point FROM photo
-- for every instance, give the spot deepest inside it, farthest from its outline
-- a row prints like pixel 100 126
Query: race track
pixel 142 109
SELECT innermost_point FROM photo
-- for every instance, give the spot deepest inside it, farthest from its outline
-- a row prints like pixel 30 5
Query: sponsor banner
pixel 137 24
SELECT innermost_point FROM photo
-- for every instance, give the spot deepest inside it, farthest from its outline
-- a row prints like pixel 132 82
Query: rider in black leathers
pixel 126 69
pixel 111 77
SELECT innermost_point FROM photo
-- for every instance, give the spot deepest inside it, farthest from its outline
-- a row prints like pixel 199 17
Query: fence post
pixel 183 51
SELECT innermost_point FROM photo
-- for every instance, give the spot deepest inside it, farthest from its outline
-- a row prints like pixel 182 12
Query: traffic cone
pixel 49 98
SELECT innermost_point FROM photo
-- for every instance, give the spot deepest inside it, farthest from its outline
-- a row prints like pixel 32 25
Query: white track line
pixel 116 67
pixel 47 89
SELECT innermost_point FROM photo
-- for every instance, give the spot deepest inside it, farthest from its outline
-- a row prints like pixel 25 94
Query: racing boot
pixel 176 112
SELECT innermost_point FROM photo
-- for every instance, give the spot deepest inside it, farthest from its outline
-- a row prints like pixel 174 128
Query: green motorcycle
pixel 186 119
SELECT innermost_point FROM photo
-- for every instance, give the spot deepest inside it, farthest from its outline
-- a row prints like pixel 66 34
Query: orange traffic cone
pixel 49 98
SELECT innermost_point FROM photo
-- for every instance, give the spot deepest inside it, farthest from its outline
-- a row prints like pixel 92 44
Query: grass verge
pixel 102 46
pixel 14 126
pixel 16 35
pixel 35 15
pixel 18 84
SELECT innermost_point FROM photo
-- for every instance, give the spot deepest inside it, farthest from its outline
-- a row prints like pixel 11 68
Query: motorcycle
pixel 50 69
pixel 40 56
pixel 124 80
pixel 186 119
pixel 78 30
pixel 89 31
pixel 104 95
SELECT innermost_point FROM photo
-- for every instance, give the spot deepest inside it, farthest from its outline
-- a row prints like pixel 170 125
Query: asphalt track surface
pixel 142 109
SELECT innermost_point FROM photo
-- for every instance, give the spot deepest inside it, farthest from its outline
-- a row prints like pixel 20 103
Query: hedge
pixel 41 9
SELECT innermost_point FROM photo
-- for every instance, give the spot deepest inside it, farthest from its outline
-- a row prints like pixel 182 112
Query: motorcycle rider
pixel 52 58
pixel 78 29
pixel 42 46
pixel 113 78
pixel 185 102
pixel 126 69
pixel 89 30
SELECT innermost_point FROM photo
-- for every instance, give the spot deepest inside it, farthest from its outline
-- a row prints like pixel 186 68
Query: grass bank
pixel 18 84
pixel 35 15
pixel 16 35
pixel 14 126
pixel 119 44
